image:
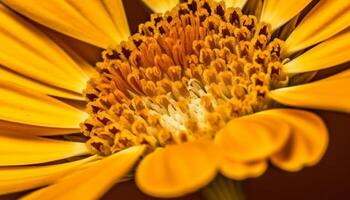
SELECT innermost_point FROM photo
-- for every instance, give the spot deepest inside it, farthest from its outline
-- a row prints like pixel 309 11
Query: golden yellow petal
pixel 89 21
pixel 253 7
pixel 86 51
pixel 23 81
pixel 81 105
pixel 27 51
pixel 277 12
pixel 98 15
pixel 288 28
pixel 241 170
pixel 177 169
pixel 25 150
pixel 116 10
pixel 234 3
pixel 331 52
pixel 326 19
pixel 67 47
pixel 161 6
pixel 331 94
pixel 21 105
pixel 252 137
pixel 239 3
pixel 7 127
pixel 20 178
pixel 93 181
pixel 308 141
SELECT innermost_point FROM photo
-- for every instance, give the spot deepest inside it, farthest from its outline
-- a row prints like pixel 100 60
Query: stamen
pixel 182 77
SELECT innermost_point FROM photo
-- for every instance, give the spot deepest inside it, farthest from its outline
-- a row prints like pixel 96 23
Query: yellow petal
pixel 234 3
pixel 177 170
pixel 332 52
pixel 15 179
pixel 277 13
pixel 88 52
pixel 240 170
pixel 326 19
pixel 239 3
pixel 96 12
pixel 26 150
pixel 332 94
pixel 67 46
pixel 287 29
pixel 253 7
pixel 161 6
pixel 19 104
pixel 252 137
pixel 89 21
pixel 7 127
pixel 26 50
pixel 308 141
pixel 23 81
pixel 93 181
pixel 116 10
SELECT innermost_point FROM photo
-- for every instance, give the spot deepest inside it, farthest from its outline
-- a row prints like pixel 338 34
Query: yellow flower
pixel 200 90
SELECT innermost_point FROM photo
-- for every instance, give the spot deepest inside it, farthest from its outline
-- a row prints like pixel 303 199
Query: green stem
pixel 223 189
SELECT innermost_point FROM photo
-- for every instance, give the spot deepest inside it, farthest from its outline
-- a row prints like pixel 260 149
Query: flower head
pixel 183 77
pixel 201 89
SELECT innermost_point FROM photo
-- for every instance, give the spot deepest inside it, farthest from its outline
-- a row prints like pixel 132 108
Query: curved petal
pixel 89 21
pixel 288 28
pixel 26 150
pixel 7 127
pixel 252 137
pixel 15 179
pixel 161 6
pixel 234 3
pixel 67 46
pixel 240 170
pixel 277 13
pixel 19 104
pixel 329 53
pixel 331 94
pixel 177 170
pixel 252 7
pixel 308 141
pixel 23 81
pixel 115 9
pixel 28 51
pixel 93 181
pixel 238 3
pixel 326 19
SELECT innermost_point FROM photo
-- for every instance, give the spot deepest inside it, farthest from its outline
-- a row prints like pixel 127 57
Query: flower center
pixel 182 77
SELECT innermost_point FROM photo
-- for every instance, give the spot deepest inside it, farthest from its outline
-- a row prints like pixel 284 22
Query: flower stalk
pixel 223 189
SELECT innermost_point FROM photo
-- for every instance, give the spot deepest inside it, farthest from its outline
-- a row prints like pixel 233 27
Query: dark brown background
pixel 327 181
